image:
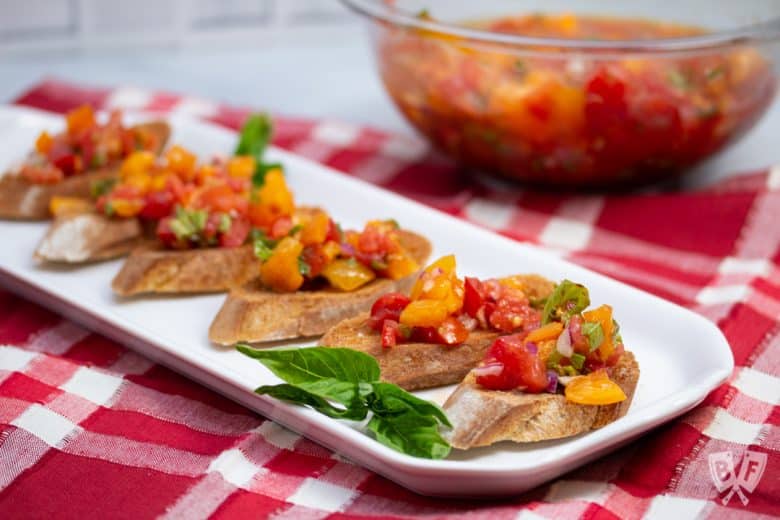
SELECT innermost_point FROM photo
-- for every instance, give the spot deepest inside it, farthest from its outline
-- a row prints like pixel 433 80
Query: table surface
pixel 331 80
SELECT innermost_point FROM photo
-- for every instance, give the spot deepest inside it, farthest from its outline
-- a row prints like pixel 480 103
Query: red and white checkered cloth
pixel 90 429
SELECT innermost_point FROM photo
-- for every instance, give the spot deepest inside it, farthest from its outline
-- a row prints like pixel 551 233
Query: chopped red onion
pixel 552 381
pixel 490 369
pixel 531 347
pixel 563 346
pixel 347 249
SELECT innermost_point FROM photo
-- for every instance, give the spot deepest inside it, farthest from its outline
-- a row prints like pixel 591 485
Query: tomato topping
pixel 519 367
pixel 387 307
pixel 281 227
pixel 452 332
pixel 315 258
pixel 594 389
pixel 157 205
pixel 473 296
pixel 236 234
pixel 389 333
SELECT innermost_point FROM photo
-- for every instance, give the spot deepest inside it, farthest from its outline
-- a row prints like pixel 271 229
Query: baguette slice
pixel 23 200
pixel 416 366
pixel 151 269
pixel 88 237
pixel 254 314
pixel 412 366
pixel 482 417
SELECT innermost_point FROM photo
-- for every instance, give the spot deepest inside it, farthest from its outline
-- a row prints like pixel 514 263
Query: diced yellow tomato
pixel 181 161
pixel 550 331
pixel 159 181
pixel 80 120
pixel 315 229
pixel 271 201
pixel 331 249
pixel 603 316
pixel 423 285
pixel 137 162
pixel 241 166
pixel 424 313
pixel 126 207
pixel 439 282
pixel 281 272
pixel 594 389
pixel 545 348
pixel 205 172
pixel 142 181
pixel 347 275
pixel 400 265
pixel 43 143
pixel 59 205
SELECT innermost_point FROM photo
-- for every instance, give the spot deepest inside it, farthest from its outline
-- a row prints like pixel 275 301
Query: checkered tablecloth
pixel 91 429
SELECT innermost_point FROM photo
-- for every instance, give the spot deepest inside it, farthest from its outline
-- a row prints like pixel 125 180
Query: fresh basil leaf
pixel 262 251
pixel 295 394
pixel 568 298
pixel 378 265
pixel 101 187
pixel 577 361
pixel 389 399
pixel 255 136
pixel 305 365
pixel 294 230
pixel 410 433
pixel 595 334
pixel 553 360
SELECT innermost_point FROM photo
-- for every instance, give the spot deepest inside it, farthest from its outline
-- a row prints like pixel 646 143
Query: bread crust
pixel 482 417
pixel 254 314
pixel 23 200
pixel 88 237
pixel 152 269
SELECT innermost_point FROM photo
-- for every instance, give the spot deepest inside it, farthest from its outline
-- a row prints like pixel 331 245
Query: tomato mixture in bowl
pixel 589 101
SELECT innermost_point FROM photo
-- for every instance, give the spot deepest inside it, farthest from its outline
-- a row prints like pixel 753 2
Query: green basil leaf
pixel 577 361
pixel 255 136
pixel 567 299
pixel 595 334
pixel 225 223
pixel 410 433
pixel 295 229
pixel 101 187
pixel 389 399
pixel 295 394
pixel 306 365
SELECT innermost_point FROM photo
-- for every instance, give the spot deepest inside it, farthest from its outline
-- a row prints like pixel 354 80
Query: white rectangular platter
pixel 682 356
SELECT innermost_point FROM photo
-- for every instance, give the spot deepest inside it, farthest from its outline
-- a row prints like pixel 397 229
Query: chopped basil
pixel 520 67
pixel 98 160
pixel 262 245
pixel 100 187
pixel 378 265
pixel 553 360
pixel 225 223
pixel 595 334
pixel 255 136
pixel 262 169
pixel 577 361
pixel 568 298
pixel 715 73
pixel 109 209
pixel 393 222
pixel 187 224
pixel 295 229
pixel 679 80
pixel 303 267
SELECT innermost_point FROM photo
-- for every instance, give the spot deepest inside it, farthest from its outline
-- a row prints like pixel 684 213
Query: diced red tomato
pixel 281 227
pixel 333 232
pixel 452 332
pixel 520 368
pixel 579 341
pixel 223 199
pixel 389 333
pixel 158 204
pixel 166 234
pixel 473 297
pixel 510 315
pixel 388 307
pixel 613 359
pixel 237 234
pixel 69 163
pixel 315 258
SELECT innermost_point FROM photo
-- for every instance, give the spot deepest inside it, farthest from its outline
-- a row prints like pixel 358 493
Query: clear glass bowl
pixel 578 111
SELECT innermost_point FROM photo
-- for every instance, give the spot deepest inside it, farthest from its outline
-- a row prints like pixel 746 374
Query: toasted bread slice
pixel 412 366
pixel 416 366
pixel 482 417
pixel 254 314
pixel 88 237
pixel 151 269
pixel 23 200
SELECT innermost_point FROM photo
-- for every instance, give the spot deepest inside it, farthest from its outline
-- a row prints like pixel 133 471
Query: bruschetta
pixel 316 277
pixel 440 331
pixel 68 163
